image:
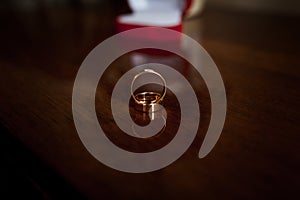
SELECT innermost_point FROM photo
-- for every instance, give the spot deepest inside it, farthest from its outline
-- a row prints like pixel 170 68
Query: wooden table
pixel 256 157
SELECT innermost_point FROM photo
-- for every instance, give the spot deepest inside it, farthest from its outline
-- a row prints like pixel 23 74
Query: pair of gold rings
pixel 148 101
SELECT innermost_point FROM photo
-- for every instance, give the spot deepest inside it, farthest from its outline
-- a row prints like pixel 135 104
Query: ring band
pixel 148 101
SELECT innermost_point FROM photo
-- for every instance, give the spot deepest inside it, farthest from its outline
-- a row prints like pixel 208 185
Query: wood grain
pixel 257 156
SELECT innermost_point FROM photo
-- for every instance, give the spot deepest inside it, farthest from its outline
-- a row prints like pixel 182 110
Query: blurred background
pixel 52 37
pixel 273 6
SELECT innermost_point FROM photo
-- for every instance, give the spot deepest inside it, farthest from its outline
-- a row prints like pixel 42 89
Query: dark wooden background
pixel 257 156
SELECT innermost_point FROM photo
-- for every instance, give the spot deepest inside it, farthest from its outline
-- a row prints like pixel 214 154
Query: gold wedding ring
pixel 148 101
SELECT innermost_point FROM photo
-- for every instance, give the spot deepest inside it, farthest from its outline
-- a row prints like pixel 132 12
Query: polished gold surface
pixel 148 101
pixel 257 156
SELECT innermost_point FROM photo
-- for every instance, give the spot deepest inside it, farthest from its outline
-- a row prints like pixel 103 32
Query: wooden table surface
pixel 256 157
